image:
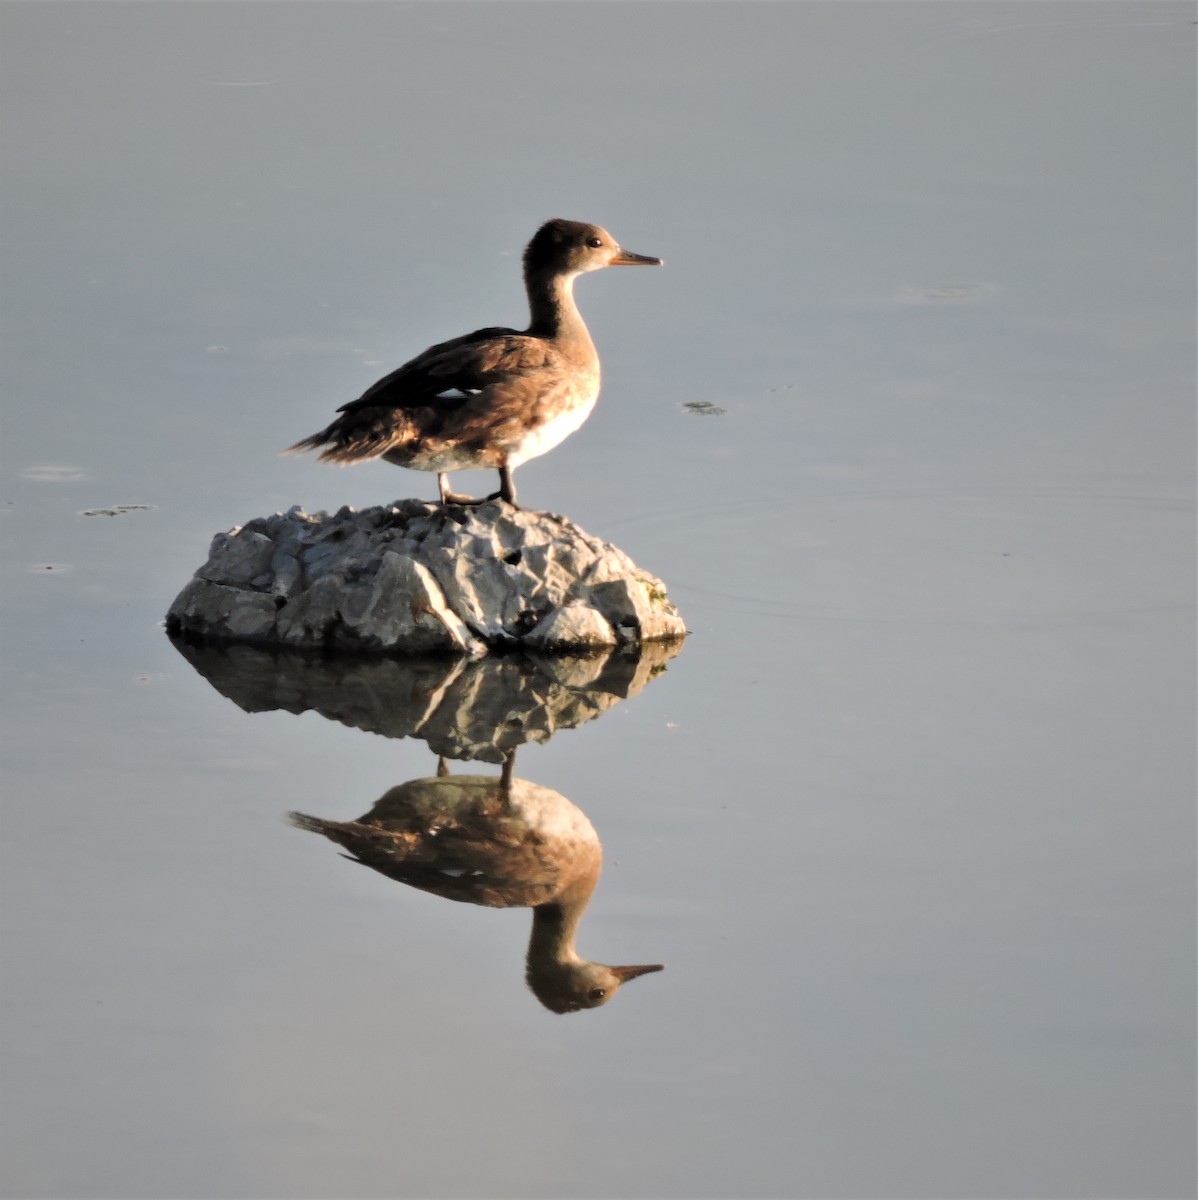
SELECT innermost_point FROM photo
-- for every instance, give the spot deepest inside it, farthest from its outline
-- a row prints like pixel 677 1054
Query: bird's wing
pixel 462 365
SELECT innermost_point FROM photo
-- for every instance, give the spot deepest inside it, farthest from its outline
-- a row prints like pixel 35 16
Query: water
pixel 909 820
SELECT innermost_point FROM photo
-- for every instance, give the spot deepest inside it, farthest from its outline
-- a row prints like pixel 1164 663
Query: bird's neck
pixel 555 924
pixel 553 313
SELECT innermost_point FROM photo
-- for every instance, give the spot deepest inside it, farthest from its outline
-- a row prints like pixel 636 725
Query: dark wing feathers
pixel 410 404
pixel 466 363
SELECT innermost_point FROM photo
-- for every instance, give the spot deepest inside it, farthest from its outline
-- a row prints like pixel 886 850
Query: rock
pixel 417 578
pixel 571 626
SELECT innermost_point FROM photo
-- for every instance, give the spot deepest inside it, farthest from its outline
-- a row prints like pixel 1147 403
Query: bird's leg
pixel 507 490
pixel 507 487
pixel 448 497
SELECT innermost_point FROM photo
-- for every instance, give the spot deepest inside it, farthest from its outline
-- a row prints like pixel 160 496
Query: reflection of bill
pixel 502 842
pixel 463 708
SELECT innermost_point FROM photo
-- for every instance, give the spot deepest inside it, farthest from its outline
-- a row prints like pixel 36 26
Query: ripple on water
pixel 54 474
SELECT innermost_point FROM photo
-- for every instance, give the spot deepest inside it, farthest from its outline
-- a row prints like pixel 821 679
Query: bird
pixel 496 397
pixel 501 842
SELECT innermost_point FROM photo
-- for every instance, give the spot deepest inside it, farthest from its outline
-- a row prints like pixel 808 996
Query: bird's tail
pixel 309 443
pixel 358 437
pixel 311 824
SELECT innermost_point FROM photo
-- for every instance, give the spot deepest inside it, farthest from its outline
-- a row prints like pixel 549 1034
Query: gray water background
pixel 910 818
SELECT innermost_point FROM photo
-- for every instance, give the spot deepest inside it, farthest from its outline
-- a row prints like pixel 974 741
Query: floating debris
pixel 704 408
pixel 48 568
pixel 116 510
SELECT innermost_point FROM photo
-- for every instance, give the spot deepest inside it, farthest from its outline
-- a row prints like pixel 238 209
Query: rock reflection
pixel 493 840
pixel 463 708
pixel 502 842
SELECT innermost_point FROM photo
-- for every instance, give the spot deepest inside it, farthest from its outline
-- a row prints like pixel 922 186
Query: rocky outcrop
pixel 419 578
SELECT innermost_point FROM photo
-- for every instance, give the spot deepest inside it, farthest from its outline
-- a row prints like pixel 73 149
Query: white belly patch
pixel 550 433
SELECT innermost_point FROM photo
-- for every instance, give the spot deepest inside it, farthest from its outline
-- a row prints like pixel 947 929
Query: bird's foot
pixel 468 501
pixel 508 498
pixel 507 491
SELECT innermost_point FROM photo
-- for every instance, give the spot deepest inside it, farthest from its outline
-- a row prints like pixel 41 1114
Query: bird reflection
pixel 501 842
pixel 484 839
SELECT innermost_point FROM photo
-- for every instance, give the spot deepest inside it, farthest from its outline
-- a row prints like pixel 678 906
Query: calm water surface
pixel 908 820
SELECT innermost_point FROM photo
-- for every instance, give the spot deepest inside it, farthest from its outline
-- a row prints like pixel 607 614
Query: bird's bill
pixel 626 258
pixel 624 974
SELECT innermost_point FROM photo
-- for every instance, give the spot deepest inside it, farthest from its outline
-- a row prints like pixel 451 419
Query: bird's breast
pixel 539 437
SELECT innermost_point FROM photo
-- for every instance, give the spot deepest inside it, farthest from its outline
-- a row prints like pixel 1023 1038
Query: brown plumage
pixel 501 842
pixel 493 398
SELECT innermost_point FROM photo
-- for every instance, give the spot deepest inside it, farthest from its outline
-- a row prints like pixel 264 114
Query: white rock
pixel 237 557
pixel 420 578
pixel 572 627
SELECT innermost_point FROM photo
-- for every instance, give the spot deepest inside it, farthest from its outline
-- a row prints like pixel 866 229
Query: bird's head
pixel 571 247
pixel 569 987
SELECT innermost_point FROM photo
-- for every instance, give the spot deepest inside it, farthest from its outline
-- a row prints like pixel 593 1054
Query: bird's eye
pixel 594 243
pixel 597 993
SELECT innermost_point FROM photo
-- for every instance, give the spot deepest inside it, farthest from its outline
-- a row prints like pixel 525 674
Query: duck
pixel 494 398
pixel 501 842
